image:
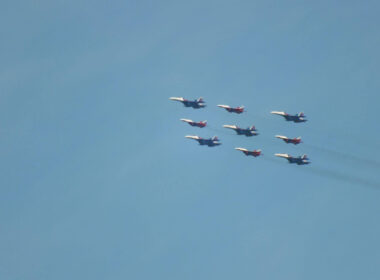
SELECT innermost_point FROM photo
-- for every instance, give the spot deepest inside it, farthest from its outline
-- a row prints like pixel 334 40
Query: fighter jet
pixel 301 160
pixel 211 142
pixel 250 131
pixel 196 104
pixel 254 153
pixel 294 141
pixel 197 124
pixel 237 110
pixel 294 118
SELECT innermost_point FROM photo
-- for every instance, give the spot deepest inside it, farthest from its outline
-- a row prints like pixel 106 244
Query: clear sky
pixel 98 182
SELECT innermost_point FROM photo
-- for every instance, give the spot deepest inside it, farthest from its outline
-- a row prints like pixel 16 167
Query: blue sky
pixel 98 182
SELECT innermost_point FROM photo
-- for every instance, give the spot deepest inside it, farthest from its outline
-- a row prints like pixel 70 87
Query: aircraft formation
pixel 249 131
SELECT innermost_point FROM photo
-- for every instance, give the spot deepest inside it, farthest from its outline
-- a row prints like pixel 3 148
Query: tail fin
pixel 215 138
pixel 252 128
pixel 304 157
pixel 200 100
pixel 258 151
pixel 301 114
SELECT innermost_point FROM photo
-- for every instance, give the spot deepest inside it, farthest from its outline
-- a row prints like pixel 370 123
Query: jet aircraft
pixel 294 141
pixel 196 104
pixel 301 160
pixel 237 110
pixel 211 142
pixel 250 131
pixel 197 124
pixel 254 153
pixel 294 118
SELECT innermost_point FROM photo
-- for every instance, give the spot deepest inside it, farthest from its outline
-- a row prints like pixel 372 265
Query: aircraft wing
pixel 278 113
pixel 224 106
pixel 283 155
pixel 241 149
pixel 177 99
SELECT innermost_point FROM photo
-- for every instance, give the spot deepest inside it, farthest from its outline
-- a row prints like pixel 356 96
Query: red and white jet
pixel 294 141
pixel 254 153
pixel 197 124
pixel 237 110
